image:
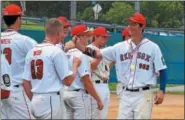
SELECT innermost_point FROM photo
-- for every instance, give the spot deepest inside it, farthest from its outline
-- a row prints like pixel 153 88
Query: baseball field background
pixel 165 27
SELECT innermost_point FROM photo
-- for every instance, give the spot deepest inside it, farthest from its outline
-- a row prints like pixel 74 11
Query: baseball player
pixel 6 87
pixel 125 34
pixel 67 26
pixel 100 74
pixel 15 47
pixel 44 75
pixel 76 97
pixel 139 62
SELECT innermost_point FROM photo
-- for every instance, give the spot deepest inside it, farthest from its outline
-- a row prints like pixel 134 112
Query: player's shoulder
pixel 28 39
pixel 75 52
pixel 150 43
pixel 23 38
pixel 119 45
pixel 55 49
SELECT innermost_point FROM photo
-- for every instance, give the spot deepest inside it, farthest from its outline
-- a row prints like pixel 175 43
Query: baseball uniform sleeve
pixel 6 83
pixel 61 65
pixel 109 53
pixel 84 67
pixel 159 61
pixel 27 72
pixel 29 43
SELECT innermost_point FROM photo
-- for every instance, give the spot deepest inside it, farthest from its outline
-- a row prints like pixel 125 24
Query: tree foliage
pixel 158 13
pixel 119 12
pixel 163 14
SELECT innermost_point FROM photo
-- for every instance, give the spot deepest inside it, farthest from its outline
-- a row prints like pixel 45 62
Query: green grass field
pixel 29 25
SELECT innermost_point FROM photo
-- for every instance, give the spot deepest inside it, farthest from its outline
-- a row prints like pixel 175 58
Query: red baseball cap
pixel 12 9
pixel 101 31
pixel 80 30
pixel 64 21
pixel 138 18
pixel 125 32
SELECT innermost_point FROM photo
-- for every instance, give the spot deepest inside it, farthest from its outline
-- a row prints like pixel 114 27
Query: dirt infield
pixel 172 108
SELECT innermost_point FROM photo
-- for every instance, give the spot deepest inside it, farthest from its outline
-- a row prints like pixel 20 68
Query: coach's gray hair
pixel 53 26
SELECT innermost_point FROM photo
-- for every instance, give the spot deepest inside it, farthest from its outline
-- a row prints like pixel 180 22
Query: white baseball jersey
pixel 6 83
pixel 46 66
pixel 15 47
pixel 60 45
pixel 83 69
pixel 102 68
pixel 137 66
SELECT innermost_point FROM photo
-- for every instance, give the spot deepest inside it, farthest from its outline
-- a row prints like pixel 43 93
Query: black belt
pixel 77 90
pixel 99 81
pixel 17 86
pixel 137 90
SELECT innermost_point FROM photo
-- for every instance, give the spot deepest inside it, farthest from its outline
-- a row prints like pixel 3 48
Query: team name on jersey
pixel 37 52
pixel 140 55
pixel 5 41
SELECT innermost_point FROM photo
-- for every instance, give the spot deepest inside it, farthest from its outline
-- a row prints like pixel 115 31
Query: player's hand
pixel 69 45
pixel 100 105
pixel 76 61
pixel 159 97
pixel 75 40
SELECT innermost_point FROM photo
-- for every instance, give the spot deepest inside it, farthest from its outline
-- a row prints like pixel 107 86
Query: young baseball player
pixel 125 34
pixel 67 26
pixel 139 62
pixel 76 97
pixel 100 74
pixel 6 87
pixel 46 71
pixel 15 47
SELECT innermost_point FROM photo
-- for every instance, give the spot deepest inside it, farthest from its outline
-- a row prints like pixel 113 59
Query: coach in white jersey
pixel 67 26
pixel 46 71
pixel 15 47
pixel 139 62
pixel 100 74
pixel 76 98
pixel 6 87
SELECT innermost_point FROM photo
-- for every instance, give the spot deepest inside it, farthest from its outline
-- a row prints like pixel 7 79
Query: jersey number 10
pixel 37 69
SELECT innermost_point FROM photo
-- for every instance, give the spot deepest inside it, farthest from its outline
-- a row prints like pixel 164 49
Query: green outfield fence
pixel 172 48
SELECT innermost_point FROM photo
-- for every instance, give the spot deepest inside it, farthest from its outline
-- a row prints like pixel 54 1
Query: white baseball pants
pixel 135 105
pixel 18 104
pixel 46 106
pixel 104 94
pixel 77 104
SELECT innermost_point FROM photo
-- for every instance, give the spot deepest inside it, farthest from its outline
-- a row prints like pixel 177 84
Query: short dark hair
pixel 10 20
pixel 123 38
pixel 140 25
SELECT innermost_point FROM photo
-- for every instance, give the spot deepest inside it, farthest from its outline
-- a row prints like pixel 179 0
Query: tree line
pixel 159 14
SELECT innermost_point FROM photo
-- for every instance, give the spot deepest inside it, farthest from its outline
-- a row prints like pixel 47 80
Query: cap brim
pixel 104 35
pixel 107 35
pixel 67 25
pixel 132 19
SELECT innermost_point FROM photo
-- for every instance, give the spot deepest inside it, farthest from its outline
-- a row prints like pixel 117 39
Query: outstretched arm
pixel 160 94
